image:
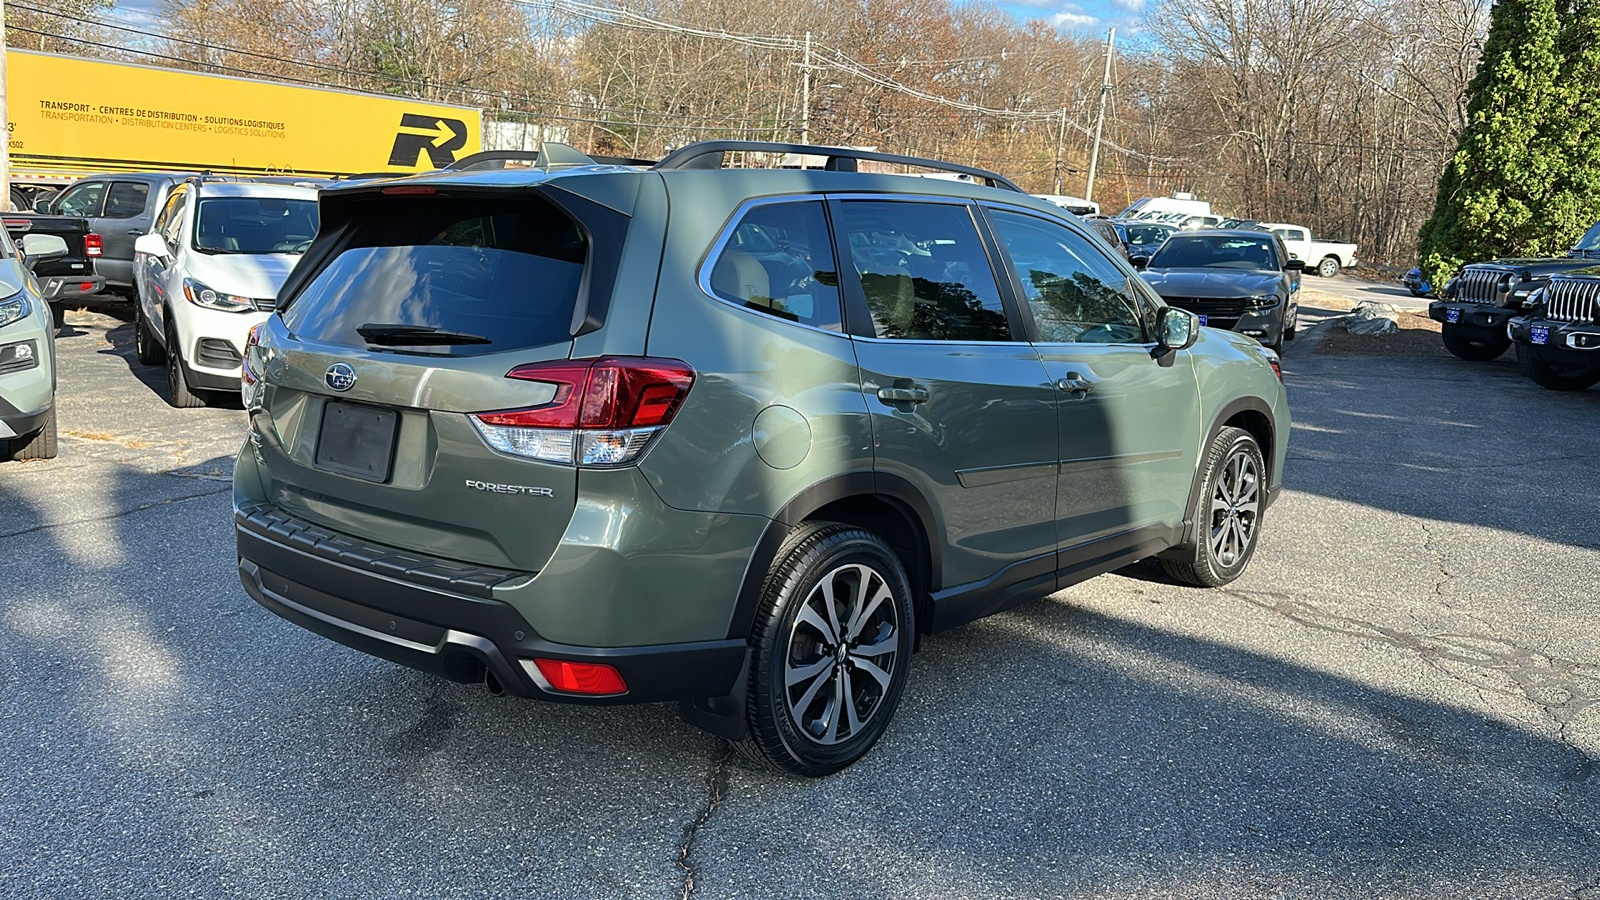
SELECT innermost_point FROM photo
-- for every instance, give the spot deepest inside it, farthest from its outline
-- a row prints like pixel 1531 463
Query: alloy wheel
pixel 841 655
pixel 1235 506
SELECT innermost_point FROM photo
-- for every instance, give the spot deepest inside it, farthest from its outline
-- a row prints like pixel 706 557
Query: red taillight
pixel 408 189
pixel 1277 367
pixel 608 392
pixel 92 245
pixel 580 677
pixel 604 413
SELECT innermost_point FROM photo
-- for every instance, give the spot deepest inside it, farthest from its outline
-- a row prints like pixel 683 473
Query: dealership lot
pixel 1399 697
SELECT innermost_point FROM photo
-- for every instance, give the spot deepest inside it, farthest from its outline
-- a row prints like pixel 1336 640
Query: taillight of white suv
pixel 604 414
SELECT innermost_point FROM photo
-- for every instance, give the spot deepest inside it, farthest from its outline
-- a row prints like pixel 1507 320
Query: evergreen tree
pixel 1576 134
pixel 1502 192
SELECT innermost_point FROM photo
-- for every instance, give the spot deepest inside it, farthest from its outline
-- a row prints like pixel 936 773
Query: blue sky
pixel 1088 17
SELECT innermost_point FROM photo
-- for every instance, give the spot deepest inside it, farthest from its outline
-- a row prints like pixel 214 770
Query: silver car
pixel 27 350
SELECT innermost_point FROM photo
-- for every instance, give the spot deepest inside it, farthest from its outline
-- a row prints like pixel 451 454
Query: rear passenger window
pixel 778 260
pixel 924 271
pixel 126 199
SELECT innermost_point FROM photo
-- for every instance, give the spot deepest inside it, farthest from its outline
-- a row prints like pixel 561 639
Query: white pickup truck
pixel 1325 258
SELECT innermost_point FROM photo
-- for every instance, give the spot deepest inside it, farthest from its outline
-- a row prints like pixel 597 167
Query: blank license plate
pixel 1452 314
pixel 357 440
pixel 1540 334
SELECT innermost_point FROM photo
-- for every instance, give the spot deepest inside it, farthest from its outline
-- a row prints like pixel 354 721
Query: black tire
pixel 800 667
pixel 1552 377
pixel 1293 326
pixel 1472 349
pixel 145 347
pixel 58 315
pixel 1328 268
pixel 179 395
pixel 39 445
pixel 1227 514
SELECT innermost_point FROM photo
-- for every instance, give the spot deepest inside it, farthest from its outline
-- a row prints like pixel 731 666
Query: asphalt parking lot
pixel 1398 699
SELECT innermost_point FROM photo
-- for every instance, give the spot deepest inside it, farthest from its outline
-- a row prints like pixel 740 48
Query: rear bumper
pixel 56 288
pixel 440 617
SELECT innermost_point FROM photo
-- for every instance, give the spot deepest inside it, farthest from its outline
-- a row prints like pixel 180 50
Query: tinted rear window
pixel 504 270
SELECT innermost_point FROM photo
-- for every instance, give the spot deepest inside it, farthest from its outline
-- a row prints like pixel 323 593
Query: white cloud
pixel 1133 6
pixel 1072 20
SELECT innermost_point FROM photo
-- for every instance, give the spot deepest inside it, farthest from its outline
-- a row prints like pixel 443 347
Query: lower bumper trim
pixel 459 637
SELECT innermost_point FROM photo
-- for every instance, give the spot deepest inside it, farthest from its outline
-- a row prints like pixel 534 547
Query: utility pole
pixel 805 96
pixel 1061 138
pixel 5 120
pixel 1099 120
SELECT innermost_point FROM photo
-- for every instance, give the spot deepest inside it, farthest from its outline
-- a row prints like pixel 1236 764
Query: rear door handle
pixel 903 395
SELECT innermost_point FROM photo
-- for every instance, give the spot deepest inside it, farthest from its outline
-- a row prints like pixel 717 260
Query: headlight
pixel 200 295
pixel 13 309
pixel 1260 301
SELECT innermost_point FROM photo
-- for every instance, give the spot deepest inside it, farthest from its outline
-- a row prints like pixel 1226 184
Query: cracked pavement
pixel 1400 698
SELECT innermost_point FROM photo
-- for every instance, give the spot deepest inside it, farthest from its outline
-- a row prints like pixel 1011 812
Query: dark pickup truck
pixel 71 276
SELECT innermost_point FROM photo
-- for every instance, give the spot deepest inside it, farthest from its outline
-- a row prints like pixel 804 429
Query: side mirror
pixel 1294 265
pixel 1176 329
pixel 151 245
pixel 1139 262
pixel 41 206
pixel 38 248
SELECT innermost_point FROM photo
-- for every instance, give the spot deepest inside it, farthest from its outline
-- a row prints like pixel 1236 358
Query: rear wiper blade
pixel 415 335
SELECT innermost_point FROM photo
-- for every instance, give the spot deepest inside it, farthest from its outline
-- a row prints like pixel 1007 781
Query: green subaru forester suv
pixel 730 437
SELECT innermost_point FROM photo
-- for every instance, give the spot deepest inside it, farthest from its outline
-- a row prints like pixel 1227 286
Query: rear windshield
pixel 485 275
pixel 254 225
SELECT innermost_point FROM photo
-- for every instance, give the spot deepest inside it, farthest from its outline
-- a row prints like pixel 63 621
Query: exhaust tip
pixel 492 683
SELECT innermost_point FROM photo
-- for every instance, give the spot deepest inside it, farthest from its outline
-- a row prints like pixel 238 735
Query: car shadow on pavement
pixel 166 736
pixel 1447 440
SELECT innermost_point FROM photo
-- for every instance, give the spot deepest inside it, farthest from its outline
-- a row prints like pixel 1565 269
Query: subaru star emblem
pixel 340 376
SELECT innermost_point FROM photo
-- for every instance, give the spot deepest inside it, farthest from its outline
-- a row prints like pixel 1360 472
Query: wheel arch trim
pixel 897 492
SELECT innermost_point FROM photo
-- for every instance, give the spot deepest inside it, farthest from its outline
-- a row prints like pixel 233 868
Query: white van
pixel 1150 207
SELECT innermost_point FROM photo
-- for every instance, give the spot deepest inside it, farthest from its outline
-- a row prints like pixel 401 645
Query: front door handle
pixel 135 232
pixel 1075 384
pixel 903 394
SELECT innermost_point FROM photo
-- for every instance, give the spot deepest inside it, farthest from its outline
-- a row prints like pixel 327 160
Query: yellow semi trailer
pixel 71 117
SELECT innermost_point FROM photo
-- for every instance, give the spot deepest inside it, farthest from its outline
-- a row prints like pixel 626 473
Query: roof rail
pixel 710 155
pixel 550 155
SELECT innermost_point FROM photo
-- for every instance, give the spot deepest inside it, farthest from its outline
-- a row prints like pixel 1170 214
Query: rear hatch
pixel 408 314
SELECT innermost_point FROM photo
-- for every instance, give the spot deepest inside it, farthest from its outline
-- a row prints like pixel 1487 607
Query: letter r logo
pixel 440 139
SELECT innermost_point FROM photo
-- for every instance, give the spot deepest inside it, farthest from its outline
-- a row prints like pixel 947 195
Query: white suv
pixel 209 272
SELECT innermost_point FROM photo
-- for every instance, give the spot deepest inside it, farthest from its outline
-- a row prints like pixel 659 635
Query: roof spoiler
pixel 550 155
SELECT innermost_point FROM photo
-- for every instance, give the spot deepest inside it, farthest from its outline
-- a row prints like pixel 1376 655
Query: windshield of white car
pixel 1215 252
pixel 254 225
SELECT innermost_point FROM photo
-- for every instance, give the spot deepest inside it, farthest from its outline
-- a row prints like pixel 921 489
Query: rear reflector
pixel 580 677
